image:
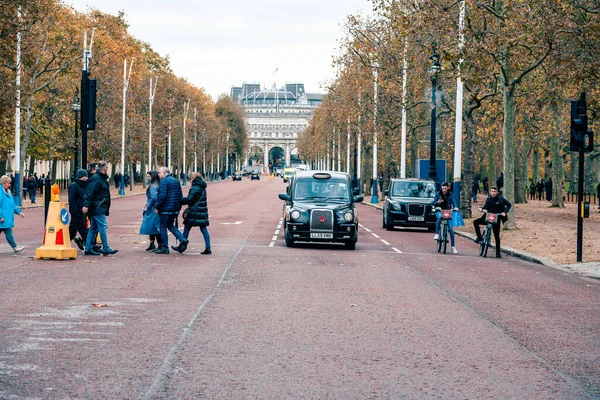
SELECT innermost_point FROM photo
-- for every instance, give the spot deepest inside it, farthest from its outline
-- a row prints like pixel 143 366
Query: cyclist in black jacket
pixel 494 204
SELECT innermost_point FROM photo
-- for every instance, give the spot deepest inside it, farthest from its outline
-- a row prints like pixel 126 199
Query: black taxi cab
pixel 320 206
pixel 409 203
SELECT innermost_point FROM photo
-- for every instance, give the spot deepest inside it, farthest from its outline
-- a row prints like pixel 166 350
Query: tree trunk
pixel 521 158
pixel 509 151
pixel 526 180
pixel 413 154
pixel 535 174
pixel 54 167
pixel 573 172
pixel 469 166
pixel 558 199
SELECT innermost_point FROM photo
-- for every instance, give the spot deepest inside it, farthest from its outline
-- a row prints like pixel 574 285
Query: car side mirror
pixel 284 197
pixel 387 192
pixel 358 199
pixel 355 191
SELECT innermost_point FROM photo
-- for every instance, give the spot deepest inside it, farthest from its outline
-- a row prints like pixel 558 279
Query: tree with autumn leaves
pixel 521 64
pixel 51 54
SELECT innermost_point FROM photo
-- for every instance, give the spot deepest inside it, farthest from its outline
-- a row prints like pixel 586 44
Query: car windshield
pixel 321 189
pixel 413 189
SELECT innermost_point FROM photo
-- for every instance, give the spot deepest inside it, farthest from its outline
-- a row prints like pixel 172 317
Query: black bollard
pixel 47 197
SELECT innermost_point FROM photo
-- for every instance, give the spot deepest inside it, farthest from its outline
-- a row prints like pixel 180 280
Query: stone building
pixel 274 117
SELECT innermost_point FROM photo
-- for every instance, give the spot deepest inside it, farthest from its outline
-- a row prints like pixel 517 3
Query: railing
pixel 572 197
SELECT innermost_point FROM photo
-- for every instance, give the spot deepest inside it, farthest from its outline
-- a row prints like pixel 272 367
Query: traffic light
pixel 88 102
pixel 581 138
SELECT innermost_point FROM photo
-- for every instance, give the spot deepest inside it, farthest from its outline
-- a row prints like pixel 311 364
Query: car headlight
pixel 348 216
pixel 395 206
pixel 295 214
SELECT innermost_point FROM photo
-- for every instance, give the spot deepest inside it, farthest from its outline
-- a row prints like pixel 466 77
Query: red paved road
pixel 259 320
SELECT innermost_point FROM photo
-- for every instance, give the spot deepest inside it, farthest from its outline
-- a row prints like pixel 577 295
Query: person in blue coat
pixel 8 209
pixel 168 205
pixel 151 222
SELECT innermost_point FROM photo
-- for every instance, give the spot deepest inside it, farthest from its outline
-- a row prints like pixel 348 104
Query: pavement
pixel 590 269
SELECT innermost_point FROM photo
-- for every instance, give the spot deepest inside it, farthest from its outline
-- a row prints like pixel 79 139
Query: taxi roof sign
pixel 321 175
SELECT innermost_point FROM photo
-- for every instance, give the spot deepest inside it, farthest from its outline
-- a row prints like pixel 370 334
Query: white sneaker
pixel 436 237
pixel 454 251
pixel 18 249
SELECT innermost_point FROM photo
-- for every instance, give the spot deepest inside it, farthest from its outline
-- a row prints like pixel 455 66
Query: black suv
pixel 320 207
pixel 409 203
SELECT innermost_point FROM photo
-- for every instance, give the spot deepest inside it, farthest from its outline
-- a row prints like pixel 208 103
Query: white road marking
pixel 384 242
pixel 396 250
pixel 374 234
pixel 274 238
pixel 277 232
pixel 231 223
pixel 366 229
pixel 272 244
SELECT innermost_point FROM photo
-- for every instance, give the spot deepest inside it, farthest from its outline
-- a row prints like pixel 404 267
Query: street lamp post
pixel 375 197
pixel 434 70
pixel 76 107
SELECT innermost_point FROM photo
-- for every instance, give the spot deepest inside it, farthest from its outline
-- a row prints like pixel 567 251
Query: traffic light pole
pixel 580 206
pixel 83 119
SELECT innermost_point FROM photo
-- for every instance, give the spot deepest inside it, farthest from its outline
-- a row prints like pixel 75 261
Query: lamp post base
pixel 122 186
pixel 374 197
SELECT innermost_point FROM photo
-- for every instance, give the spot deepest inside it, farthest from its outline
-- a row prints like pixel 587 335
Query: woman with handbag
pixel 151 222
pixel 197 212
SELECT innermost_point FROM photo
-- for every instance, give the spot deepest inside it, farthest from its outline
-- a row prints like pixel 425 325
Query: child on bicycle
pixel 443 199
pixel 495 204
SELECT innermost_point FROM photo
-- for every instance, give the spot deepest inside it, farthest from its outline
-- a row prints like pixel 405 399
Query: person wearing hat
pixel 78 223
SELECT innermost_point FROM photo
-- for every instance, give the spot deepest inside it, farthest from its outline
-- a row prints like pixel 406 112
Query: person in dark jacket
pixel 168 205
pixel 444 200
pixel 540 188
pixel 532 189
pixel 77 223
pixel 475 189
pixel 197 212
pixel 96 204
pixel 495 204
pixel 32 188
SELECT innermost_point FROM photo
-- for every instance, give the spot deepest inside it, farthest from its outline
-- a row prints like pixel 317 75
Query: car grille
pixel 416 210
pixel 321 220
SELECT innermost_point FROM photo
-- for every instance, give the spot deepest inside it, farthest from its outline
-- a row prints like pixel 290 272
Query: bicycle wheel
pixel 444 237
pixel 486 240
pixel 439 242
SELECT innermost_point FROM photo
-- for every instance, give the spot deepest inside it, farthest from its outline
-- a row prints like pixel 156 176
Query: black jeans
pixel 495 228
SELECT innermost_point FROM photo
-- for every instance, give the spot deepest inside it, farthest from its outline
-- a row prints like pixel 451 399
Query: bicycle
pixel 484 245
pixel 442 241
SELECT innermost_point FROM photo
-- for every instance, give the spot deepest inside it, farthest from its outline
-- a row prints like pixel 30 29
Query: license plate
pixel 321 235
pixel 416 218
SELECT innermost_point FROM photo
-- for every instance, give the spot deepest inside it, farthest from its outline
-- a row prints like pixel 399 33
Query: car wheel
pixel 289 242
pixel 387 225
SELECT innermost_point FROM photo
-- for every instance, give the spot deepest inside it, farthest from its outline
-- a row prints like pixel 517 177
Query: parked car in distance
pixel 409 203
pixel 255 176
pixel 320 206
pixel 237 176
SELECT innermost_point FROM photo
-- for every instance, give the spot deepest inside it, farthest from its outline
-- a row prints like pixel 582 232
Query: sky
pixel 219 44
